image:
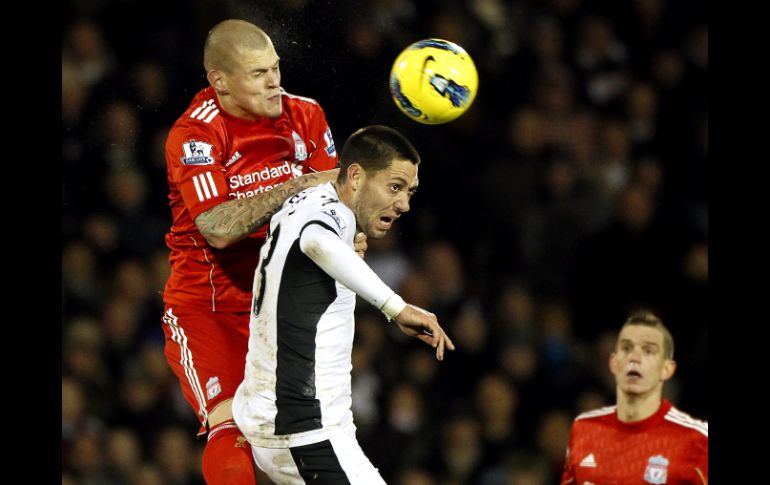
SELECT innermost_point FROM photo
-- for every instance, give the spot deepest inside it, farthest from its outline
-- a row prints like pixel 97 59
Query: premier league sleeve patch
pixel 197 153
pixel 330 149
pixel 336 218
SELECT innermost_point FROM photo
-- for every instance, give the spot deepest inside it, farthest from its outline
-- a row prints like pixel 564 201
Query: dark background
pixel 573 190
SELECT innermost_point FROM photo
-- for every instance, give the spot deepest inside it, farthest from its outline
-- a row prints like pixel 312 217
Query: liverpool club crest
pixel 657 470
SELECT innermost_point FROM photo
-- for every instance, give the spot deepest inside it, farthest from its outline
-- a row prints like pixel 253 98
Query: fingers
pixel 439 340
pixel 440 348
pixel 420 323
pixel 360 245
pixel 449 344
pixel 428 340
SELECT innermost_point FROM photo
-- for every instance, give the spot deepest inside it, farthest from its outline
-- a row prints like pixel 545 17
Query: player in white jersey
pixel 294 404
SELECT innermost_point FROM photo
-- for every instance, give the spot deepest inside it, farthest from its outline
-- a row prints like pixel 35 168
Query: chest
pixel 258 158
pixel 617 458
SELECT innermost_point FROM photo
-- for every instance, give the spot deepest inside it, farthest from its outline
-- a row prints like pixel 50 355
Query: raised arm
pixel 233 220
pixel 339 261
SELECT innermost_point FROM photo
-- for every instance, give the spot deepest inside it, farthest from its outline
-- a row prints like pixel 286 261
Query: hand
pixel 359 244
pixel 416 322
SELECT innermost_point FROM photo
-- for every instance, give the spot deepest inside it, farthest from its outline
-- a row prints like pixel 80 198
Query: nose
pixel 402 204
pixel 273 78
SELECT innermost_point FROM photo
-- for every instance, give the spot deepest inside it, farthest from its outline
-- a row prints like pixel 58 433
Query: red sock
pixel 227 457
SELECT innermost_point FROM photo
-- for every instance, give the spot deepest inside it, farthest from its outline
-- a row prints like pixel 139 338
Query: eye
pixel 395 187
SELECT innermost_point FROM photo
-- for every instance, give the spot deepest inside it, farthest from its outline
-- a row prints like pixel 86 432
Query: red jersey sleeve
pixel 195 167
pixel 324 157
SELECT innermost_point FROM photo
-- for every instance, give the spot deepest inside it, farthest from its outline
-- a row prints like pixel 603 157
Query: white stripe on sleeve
pixel 198 188
pixel 212 184
pixel 205 186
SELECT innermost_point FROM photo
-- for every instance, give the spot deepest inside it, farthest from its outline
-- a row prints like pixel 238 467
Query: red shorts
pixel 207 352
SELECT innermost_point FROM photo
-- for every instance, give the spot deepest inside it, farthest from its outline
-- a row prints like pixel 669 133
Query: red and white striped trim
pixel 596 412
pixel 186 360
pixel 683 419
pixel 205 186
pixel 206 111
pixel 229 424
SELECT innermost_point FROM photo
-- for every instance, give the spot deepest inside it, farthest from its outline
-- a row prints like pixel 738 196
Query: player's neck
pixel 633 408
pixel 344 192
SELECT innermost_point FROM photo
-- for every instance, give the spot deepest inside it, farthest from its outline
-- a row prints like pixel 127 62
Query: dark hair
pixel 374 148
pixel 649 319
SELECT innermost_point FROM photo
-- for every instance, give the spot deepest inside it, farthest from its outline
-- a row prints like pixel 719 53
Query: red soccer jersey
pixel 668 447
pixel 212 157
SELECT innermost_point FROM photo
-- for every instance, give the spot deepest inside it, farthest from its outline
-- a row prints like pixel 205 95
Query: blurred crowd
pixel 572 191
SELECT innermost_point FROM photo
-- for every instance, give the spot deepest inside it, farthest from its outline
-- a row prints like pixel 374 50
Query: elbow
pixel 217 242
pixel 214 235
pixel 221 239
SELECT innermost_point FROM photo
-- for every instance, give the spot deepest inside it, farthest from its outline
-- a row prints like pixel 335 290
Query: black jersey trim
pixel 304 295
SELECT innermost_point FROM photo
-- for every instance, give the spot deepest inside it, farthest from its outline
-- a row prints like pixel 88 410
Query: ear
pixel 217 80
pixel 669 366
pixel 356 176
pixel 613 361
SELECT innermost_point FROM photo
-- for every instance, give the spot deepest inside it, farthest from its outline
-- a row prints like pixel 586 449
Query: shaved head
pixel 227 39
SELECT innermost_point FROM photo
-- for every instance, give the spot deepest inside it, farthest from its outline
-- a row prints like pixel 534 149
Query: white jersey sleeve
pixel 323 245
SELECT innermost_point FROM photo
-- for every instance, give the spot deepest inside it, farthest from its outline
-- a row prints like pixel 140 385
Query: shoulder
pixel 596 414
pixel 323 205
pixel 300 105
pixel 297 100
pixel 202 116
pixel 687 422
pixel 313 199
pixel 323 197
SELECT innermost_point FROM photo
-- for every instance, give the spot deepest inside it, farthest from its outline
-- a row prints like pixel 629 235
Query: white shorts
pixel 337 460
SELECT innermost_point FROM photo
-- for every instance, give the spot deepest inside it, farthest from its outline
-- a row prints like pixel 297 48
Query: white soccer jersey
pixel 296 388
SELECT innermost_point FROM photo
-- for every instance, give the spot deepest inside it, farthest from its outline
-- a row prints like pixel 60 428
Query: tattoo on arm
pixel 233 220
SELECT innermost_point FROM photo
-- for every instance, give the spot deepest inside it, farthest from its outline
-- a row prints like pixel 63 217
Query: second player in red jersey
pixel 643 439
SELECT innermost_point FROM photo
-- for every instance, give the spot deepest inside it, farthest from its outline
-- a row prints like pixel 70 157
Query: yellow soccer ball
pixel 433 81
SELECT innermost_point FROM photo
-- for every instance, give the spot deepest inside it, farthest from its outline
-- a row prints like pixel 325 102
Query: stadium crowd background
pixel 572 190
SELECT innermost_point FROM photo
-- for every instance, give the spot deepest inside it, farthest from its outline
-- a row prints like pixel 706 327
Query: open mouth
pixel 633 374
pixel 386 222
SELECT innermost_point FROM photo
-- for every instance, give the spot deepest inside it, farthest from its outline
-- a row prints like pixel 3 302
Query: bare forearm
pixel 233 220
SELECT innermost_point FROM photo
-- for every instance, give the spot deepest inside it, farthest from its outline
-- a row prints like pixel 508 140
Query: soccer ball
pixel 433 81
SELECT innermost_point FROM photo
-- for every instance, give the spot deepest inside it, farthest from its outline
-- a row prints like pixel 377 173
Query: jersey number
pixel 273 241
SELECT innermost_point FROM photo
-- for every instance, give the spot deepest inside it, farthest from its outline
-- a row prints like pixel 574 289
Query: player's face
pixel 638 362
pixel 385 195
pixel 254 83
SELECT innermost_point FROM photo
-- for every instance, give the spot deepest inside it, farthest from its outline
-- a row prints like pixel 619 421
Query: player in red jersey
pixel 643 439
pixel 242 147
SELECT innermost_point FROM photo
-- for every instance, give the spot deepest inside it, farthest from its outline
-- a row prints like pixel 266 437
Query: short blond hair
pixel 649 319
pixel 229 37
